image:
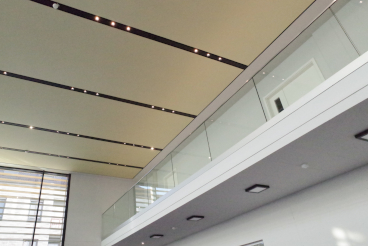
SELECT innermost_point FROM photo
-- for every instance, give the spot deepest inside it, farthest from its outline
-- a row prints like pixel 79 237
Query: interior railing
pixel 332 41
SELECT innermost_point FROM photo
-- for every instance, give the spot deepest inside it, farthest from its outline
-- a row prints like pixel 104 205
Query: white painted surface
pixel 90 195
pixel 332 213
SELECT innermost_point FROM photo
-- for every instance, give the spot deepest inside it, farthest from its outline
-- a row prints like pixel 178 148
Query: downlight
pixel 195 218
pixel 156 236
pixel 257 188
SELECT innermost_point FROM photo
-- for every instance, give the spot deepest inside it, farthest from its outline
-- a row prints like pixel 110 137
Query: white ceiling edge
pixel 337 94
pixel 298 26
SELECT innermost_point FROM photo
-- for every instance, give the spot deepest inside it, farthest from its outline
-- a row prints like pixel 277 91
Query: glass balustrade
pixel 331 42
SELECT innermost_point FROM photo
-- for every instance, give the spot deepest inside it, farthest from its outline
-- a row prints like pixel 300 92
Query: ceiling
pixel 113 66
pixel 329 150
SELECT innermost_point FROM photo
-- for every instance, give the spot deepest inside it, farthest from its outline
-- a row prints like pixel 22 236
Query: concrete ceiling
pixel 329 150
pixel 43 43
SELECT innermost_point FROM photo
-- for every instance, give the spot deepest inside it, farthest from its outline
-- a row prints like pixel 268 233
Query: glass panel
pixel 160 180
pixel 141 195
pixel 108 222
pixel 237 118
pixel 51 210
pixel 314 56
pixel 353 16
pixel 191 155
pixel 125 207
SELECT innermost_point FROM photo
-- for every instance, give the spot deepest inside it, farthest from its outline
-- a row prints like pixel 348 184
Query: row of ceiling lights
pixel 61 86
pixel 257 188
pixel 128 28
pixel 78 135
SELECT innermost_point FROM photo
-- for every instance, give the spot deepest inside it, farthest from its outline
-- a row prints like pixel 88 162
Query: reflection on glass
pixel 191 155
pixel 233 121
pixel 318 53
pixel 353 16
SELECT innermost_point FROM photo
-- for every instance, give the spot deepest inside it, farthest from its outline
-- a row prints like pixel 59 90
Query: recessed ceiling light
pixel 97 18
pixel 220 58
pixel 363 135
pixel 128 28
pixel 196 50
pixel 156 236
pixel 5 73
pixel 112 23
pixel 152 148
pixel 31 127
pixel 257 188
pixel 142 242
pixel 208 54
pixel 264 72
pixel 304 166
pixel 55 5
pixel 173 228
pixel 85 91
pixel 195 218
pixel 72 88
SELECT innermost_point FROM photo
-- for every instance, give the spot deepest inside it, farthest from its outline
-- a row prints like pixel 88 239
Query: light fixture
pixel 97 18
pixel 153 107
pixel 361 2
pixel 112 23
pixel 31 127
pixel 72 88
pixel 196 50
pixel 257 188
pixel 67 133
pixel 173 111
pixel 195 218
pixel 363 135
pixel 97 94
pixel 156 236
pixel 55 5
pixel 264 72
pixel 2 122
pixel 208 54
pixel 163 109
pixel 173 228
pixel 128 28
pixel 152 148
pixel 220 58
pixel 78 135
pixel 273 76
pixel 142 242
pixel 5 73
pixel 85 91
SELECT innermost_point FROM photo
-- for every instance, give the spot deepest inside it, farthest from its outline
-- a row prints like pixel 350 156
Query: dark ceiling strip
pixel 68 157
pixel 138 32
pixel 78 135
pixel 93 93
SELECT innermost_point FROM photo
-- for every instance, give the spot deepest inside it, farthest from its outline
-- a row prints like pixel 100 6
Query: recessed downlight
pixel 257 188
pixel 156 236
pixel 195 218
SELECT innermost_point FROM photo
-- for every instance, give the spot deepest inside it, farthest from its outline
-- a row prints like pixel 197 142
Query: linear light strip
pixel 141 33
pixel 78 135
pixel 93 93
pixel 68 157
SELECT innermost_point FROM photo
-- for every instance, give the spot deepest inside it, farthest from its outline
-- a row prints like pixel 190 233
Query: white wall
pixel 331 213
pixel 90 195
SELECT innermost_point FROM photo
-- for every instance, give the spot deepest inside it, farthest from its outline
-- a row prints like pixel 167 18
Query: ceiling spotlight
pixel 78 135
pixel 55 5
pixel 173 228
pixel 163 109
pixel 153 106
pixel 196 50
pixel 124 143
pixel 31 127
pixel 361 2
pixel 156 236
pixel 85 91
pixel 208 54
pixel 264 72
pixel 128 28
pixel 257 188
pixel 97 18
pixel 173 111
pixel 2 122
pixel 97 94
pixel 57 131
pixel 195 218
pixel 152 148
pixel 72 88
pixel 142 242
pixel 273 76
pixel 5 73
pixel 112 23
pixel 220 58
pixel 67 133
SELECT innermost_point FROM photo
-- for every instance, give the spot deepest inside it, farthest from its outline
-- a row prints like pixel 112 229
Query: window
pixel 2 207
pixel 32 207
